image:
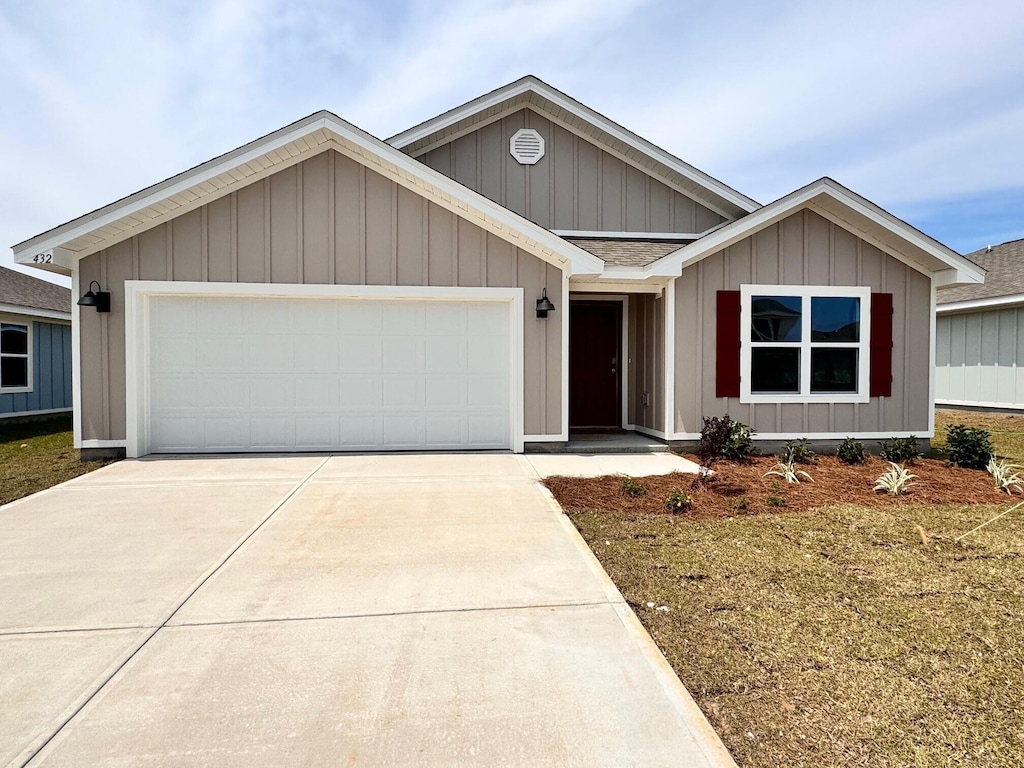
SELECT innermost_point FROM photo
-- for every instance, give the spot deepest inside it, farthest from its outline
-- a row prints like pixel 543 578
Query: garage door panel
pixel 248 374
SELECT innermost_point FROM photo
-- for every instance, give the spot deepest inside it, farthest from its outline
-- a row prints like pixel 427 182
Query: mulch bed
pixel 741 488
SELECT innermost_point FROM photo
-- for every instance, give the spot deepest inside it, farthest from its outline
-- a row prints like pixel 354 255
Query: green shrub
pixel 900 450
pixel 631 487
pixel 722 437
pixel 775 501
pixel 851 451
pixel 968 447
pixel 678 501
pixel 798 451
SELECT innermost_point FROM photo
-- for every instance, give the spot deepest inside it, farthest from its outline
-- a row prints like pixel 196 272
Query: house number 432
pixel 43 258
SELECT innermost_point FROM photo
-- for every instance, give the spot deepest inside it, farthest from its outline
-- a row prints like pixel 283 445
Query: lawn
pixel 37 455
pixel 847 634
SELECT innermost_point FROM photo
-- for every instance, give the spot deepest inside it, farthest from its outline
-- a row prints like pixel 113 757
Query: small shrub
pixel 678 501
pixel 895 480
pixel 775 501
pixel 787 471
pixel 631 487
pixel 899 450
pixel 851 451
pixel 968 447
pixel 740 503
pixel 1006 479
pixel 798 451
pixel 721 437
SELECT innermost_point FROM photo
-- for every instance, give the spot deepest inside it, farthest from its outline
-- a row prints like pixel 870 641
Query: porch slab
pixel 597 465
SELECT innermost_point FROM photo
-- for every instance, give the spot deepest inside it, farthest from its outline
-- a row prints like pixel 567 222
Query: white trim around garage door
pixel 137 293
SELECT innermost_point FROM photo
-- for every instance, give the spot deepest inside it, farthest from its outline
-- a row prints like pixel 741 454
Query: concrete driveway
pixel 307 610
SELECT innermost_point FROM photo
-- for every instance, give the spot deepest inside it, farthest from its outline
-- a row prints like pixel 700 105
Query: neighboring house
pixel 321 289
pixel 980 334
pixel 35 346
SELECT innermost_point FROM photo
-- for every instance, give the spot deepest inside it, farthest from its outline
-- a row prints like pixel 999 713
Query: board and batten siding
pixel 326 220
pixel 646 354
pixel 978 358
pixel 574 186
pixel 51 371
pixel 803 249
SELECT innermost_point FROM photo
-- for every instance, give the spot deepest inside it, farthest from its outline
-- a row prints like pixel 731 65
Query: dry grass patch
pixel 839 636
pixel 37 455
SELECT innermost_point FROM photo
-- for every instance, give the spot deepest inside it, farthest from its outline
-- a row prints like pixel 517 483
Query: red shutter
pixel 881 345
pixel 727 337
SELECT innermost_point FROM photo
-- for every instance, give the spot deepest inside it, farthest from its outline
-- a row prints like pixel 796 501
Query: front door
pixel 595 364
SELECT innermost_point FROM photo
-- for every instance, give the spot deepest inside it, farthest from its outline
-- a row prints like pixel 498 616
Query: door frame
pixel 137 319
pixel 625 363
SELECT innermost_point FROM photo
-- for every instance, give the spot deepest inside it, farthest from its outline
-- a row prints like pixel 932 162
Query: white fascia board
pixel 40 314
pixel 391 162
pixel 600 235
pixel 675 262
pixel 531 84
pixel 53 258
pixel 616 286
pixel 993 303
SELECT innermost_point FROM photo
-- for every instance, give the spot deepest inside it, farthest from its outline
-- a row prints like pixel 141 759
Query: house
pixel 509 271
pixel 980 334
pixel 35 346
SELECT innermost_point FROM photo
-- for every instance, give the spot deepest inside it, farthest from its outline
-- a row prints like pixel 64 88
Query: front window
pixel 13 356
pixel 804 344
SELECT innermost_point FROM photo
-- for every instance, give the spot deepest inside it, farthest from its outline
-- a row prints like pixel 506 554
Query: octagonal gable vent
pixel 527 146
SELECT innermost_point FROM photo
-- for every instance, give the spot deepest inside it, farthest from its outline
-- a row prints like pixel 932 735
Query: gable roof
pixel 20 290
pixel 621 252
pixel 532 93
pixel 835 202
pixel 278 150
pixel 1004 283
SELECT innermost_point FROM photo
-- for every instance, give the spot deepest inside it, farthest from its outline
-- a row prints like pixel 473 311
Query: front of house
pixel 494 278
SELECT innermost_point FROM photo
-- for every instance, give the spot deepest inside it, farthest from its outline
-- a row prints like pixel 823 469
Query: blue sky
pixel 918 106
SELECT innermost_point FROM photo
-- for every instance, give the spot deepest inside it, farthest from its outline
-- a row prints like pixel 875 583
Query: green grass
pixel 840 636
pixel 1007 431
pixel 37 455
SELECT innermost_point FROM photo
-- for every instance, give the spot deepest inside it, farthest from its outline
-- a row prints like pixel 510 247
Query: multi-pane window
pixel 13 356
pixel 804 344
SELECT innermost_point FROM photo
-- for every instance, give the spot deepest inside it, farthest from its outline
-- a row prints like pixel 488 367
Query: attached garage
pixel 219 368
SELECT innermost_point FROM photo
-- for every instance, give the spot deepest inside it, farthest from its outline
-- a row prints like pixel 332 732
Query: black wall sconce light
pixel 544 305
pixel 99 299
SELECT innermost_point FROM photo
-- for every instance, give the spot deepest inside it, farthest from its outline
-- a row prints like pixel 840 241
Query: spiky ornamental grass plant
pixel 787 471
pixel 1006 479
pixel 895 480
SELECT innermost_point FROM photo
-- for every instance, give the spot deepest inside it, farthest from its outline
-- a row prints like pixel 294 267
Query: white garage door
pixel 287 374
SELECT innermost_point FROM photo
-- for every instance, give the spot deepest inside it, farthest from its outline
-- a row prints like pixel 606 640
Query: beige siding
pixel 325 220
pixel 575 185
pixel 646 361
pixel 803 249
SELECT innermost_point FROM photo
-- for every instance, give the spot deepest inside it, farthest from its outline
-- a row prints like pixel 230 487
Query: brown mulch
pixel 741 488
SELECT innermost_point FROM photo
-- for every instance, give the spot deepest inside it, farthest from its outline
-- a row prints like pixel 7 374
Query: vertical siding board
pixel 251 233
pixel 93 372
pixel 588 199
pixel 284 225
pixel 378 219
pixel 152 247
pixel 441 246
pixel 704 218
pixel 218 240
pixel 553 361
pixel 41 395
pixel 514 174
pixel 765 259
pixel 501 264
pixel 315 230
pixel 187 239
pixel 819 251
pixel 119 268
pixel 561 145
pixel 347 224
pixel 611 178
pixel 470 255
pixel 637 201
pixel 491 151
pixel 531 277
pixel 539 176
pixel 410 245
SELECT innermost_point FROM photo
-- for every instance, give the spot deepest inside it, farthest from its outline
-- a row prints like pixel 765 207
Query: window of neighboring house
pixel 804 344
pixel 14 356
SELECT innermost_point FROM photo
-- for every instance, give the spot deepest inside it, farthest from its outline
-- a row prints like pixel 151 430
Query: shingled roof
pixel 1005 266
pixel 21 290
pixel 627 253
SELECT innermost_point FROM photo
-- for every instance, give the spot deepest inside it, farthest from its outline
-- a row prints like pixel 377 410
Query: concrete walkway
pixel 302 610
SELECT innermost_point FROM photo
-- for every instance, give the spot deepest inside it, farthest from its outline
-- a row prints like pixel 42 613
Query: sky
pixel 917 106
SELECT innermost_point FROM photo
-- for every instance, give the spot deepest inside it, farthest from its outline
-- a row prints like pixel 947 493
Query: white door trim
pixel 138 292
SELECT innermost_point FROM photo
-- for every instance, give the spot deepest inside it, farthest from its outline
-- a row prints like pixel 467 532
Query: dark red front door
pixel 595 364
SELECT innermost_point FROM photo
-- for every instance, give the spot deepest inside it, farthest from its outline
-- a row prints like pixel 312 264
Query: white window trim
pixel 28 356
pixel 805 292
